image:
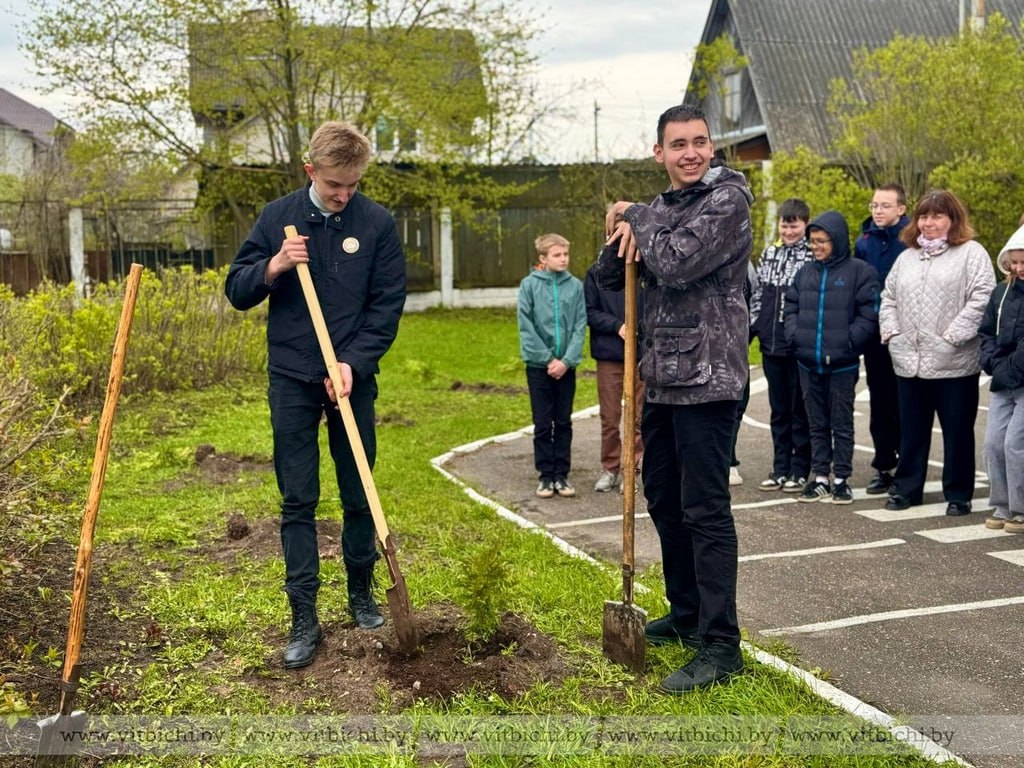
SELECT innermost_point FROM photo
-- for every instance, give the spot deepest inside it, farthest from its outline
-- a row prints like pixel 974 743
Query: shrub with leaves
pixel 185 335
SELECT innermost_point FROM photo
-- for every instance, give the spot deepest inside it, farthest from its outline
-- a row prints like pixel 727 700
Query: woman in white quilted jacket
pixel 932 305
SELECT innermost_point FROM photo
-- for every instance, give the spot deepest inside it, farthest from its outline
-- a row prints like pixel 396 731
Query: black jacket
pixel 1002 337
pixel 832 306
pixel 358 268
pixel 606 312
pixel 776 269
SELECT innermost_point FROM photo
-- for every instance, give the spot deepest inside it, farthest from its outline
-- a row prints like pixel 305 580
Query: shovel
pixel 55 731
pixel 397 594
pixel 624 622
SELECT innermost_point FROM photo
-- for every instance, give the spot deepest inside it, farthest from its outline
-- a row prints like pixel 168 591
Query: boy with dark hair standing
pixel 693 245
pixel 879 244
pixel 552 323
pixel 791 442
pixel 355 259
pixel 831 314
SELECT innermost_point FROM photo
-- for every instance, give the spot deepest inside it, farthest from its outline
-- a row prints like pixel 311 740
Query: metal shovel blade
pixel 398 601
pixel 57 744
pixel 623 634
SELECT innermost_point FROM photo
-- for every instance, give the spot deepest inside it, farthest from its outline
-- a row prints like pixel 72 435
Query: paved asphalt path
pixel 915 613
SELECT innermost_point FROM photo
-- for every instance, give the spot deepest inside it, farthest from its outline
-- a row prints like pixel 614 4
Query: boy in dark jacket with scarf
pixel 831 314
pixel 879 244
pixel 791 442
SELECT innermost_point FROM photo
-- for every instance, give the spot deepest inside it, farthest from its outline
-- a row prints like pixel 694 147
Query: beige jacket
pixel 931 310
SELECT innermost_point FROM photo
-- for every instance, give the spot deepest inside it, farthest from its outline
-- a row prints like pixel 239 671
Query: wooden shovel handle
pixel 344 406
pixel 83 564
pixel 628 432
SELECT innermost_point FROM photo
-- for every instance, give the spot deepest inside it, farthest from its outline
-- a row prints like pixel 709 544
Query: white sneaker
pixel 606 481
pixel 734 476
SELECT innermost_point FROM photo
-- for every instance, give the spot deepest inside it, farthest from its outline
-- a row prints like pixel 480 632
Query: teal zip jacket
pixel 552 318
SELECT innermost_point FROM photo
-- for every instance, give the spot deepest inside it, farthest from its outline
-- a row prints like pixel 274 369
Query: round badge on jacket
pixel 350 245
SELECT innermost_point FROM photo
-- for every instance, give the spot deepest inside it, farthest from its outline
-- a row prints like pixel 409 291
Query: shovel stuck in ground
pixel 397 594
pixel 56 732
pixel 623 636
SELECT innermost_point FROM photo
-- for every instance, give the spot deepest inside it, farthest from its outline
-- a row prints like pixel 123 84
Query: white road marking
pixel 1015 556
pixel 823 550
pixel 963 533
pixel 907 613
pixel 914 513
pixel 787 499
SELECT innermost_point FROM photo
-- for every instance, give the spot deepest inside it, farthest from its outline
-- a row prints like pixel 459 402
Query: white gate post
pixel 447 259
pixel 76 248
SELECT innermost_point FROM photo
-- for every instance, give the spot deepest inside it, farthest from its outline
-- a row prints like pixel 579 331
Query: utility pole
pixel 597 109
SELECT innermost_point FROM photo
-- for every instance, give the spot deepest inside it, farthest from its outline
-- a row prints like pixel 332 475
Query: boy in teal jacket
pixel 552 323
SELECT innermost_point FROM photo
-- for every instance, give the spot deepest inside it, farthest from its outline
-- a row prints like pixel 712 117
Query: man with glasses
pixel 879 245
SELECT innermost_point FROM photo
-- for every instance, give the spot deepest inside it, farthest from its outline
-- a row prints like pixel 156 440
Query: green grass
pixel 214 617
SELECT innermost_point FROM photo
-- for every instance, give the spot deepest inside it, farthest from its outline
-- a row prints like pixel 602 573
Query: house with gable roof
pixel 26 133
pixel 796 48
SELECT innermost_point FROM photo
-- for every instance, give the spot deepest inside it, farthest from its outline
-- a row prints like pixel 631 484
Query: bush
pixel 185 335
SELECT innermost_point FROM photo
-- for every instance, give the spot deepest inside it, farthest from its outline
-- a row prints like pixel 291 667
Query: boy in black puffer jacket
pixel 831 313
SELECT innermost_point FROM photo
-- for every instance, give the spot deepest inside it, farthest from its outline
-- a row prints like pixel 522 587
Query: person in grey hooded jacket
pixel 693 244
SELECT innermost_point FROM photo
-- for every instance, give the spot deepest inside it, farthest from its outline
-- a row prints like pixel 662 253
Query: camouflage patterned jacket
pixel 695 247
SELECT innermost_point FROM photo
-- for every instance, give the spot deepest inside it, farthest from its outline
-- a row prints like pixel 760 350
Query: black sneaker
pixel 958 508
pixel 816 490
pixel 842 493
pixel 563 487
pixel 664 631
pixel 897 503
pixel 772 483
pixel 713 663
pixel 880 485
pixel 545 489
pixel 794 484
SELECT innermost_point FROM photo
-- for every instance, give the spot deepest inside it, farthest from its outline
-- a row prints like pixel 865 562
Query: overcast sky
pixel 632 60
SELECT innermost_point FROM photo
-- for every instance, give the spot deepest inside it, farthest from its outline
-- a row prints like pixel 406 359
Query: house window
pixel 732 101
pixel 393 136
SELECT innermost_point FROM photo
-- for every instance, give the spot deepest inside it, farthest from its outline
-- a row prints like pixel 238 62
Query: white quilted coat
pixel 931 310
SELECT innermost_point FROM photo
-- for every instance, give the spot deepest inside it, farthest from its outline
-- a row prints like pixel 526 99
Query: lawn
pixel 187 617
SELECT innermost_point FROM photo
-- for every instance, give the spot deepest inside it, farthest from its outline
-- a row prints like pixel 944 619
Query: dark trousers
pixel 296 410
pixel 829 398
pixel 884 421
pixel 551 404
pixel 791 439
pixel 955 401
pixel 741 408
pixel 686 482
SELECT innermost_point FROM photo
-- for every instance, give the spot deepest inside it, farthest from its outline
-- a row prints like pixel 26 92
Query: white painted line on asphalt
pixel 823 550
pixel 891 516
pixel 906 613
pixel 1014 556
pixel 640 515
pixel 962 533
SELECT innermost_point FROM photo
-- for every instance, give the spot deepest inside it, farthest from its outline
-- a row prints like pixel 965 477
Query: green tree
pixel 926 113
pixel 454 80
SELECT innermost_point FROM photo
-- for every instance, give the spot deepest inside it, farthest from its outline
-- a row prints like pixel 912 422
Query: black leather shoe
pixel 897 503
pixel 361 604
pixel 664 631
pixel 880 485
pixel 712 664
pixel 306 636
pixel 958 508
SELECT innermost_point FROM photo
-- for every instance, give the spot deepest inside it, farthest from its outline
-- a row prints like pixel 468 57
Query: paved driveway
pixel 916 613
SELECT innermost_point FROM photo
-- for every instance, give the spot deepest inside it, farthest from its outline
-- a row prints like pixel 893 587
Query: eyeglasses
pixel 880 206
pixel 816 243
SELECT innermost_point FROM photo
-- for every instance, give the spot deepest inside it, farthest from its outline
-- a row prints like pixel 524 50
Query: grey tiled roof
pixel 19 114
pixel 797 47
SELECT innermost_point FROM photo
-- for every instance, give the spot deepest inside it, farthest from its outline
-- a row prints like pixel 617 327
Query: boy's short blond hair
pixel 545 243
pixel 339 145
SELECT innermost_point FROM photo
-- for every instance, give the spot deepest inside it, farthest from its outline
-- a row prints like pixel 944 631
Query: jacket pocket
pixel 681 357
